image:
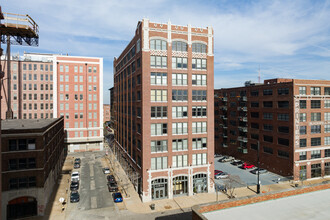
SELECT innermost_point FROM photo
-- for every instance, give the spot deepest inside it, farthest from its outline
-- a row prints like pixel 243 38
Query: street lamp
pixel 258 163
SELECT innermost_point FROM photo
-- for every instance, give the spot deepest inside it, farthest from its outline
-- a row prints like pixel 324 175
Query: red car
pixel 217 172
pixel 247 166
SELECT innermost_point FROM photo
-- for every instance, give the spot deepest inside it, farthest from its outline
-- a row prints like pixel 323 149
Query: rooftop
pixel 23 124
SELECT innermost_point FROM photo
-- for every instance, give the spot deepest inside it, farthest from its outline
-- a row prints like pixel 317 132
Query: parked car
pixel 111 178
pixel 117 197
pixel 247 166
pixel 222 175
pixel 75 176
pixel 76 165
pixel 261 171
pixel 226 159
pixel 217 155
pixel 106 170
pixel 74 196
pixel 74 186
pixel 112 186
pixel 217 172
pixel 77 160
pixel 237 162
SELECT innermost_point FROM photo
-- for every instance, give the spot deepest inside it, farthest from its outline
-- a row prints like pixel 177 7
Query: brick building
pixel 289 118
pixel 48 85
pixel 32 158
pixel 106 113
pixel 163 109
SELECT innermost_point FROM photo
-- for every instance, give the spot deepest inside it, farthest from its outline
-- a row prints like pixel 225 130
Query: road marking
pixel 92 184
pixel 93 203
pixel 91 169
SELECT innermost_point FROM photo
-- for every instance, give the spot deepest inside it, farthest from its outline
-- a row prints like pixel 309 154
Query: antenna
pixel 259 74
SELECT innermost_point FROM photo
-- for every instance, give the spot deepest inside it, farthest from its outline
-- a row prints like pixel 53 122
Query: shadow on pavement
pixel 181 216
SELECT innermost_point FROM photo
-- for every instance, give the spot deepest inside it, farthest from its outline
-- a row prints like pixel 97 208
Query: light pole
pixel 258 163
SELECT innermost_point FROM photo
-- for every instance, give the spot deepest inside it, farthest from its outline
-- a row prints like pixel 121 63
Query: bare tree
pixel 230 188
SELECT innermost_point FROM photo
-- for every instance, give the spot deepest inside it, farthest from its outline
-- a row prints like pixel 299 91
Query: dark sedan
pixel 74 196
pixel 74 186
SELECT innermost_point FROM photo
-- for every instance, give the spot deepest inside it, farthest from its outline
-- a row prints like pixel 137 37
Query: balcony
pixel 243 129
pixel 224 145
pixel 224 117
pixel 243 139
pixel 244 109
pixel 243 119
pixel 243 99
pixel 223 108
pixel 224 135
pixel 224 99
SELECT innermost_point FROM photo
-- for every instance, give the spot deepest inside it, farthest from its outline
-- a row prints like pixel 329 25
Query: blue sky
pixel 288 39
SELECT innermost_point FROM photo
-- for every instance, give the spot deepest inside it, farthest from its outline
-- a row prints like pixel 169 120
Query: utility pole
pixel 258 163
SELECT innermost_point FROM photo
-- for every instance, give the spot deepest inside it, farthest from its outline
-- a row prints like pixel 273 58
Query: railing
pixel 18 21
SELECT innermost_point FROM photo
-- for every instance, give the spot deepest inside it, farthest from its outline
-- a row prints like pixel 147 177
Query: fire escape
pixel 242 123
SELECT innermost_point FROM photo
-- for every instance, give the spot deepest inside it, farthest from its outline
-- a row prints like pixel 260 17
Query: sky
pixel 279 39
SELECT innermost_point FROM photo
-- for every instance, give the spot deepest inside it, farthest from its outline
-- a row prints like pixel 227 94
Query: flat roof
pixel 23 124
pixel 313 205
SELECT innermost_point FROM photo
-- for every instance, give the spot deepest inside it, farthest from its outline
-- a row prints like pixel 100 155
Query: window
pixel 283 104
pixel 268 138
pixel 284 154
pixel 180 128
pixel 180 95
pixel 158 163
pixel 159 112
pixel 255 125
pixel 158 95
pixel 316 116
pixel 255 114
pixel 199 64
pixel 199 95
pixel 326 140
pixel 66 69
pixel 199 143
pixel 283 141
pixel 158 78
pixel 179 111
pixel 283 91
pixel 283 129
pixel 302 104
pixel 254 104
pixel 198 48
pixel 327 116
pixel 315 129
pixel 158 146
pixel 302 155
pixel 326 90
pixel 316 141
pixel 315 154
pixel 326 103
pixel 268 127
pixel 315 103
pixel 268 116
pixel 179 79
pixel 179 46
pixel 180 161
pixel 302 117
pixel 268 104
pixel 315 170
pixel 198 80
pixel 179 144
pixel 179 63
pixel 326 128
pixel 158 61
pixel 158 45
pixel 327 153
pixel 199 127
pixel 199 111
pixel 199 159
pixel 254 93
pixel 303 130
pixel 158 129
pixel 268 92
pixel 302 143
pixel 315 91
pixel 302 90
pixel 283 117
pixel 268 150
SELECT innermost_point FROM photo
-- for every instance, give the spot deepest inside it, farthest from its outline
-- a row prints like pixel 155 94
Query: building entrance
pixel 180 186
pixel 21 207
pixel 159 189
pixel 200 183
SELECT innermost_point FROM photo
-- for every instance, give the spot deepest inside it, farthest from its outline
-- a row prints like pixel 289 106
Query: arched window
pixel 158 44
pixel 179 46
pixel 198 48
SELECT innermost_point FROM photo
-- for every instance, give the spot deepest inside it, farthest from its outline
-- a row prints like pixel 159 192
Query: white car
pixel 223 175
pixel 75 176
pixel 106 170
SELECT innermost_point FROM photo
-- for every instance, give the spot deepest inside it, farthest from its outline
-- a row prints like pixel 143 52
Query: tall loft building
pixel 288 118
pixel 50 86
pixel 106 113
pixel 163 107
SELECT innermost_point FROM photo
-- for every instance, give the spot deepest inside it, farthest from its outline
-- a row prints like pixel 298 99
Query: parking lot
pixel 240 177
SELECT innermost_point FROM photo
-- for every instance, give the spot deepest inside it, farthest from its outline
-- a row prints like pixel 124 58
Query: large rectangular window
pixel 315 103
pixel 198 80
pixel 326 128
pixel 158 163
pixel 199 127
pixel 180 128
pixel 158 61
pixel 199 159
pixel 303 130
pixel 316 141
pixel 158 45
pixel 198 95
pixel 179 63
pixel 158 146
pixel 315 154
pixel 283 117
pixel 326 103
pixel 159 95
pixel 179 111
pixel 268 116
pixel 326 90
pixel 179 144
pixel 284 154
pixel 199 143
pixel 179 161
pixel 179 79
pixel 158 78
pixel 158 111
pixel 315 116
pixel 302 155
pixel 326 140
pixel 198 111
pixel 315 129
pixel 283 91
pixel 302 90
pixel 302 143
pixel 199 64
pixel 327 116
pixel 302 104
pixel 283 104
pixel 315 90
pixel 302 117
pixel 267 92
pixel 158 129
pixel 179 95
